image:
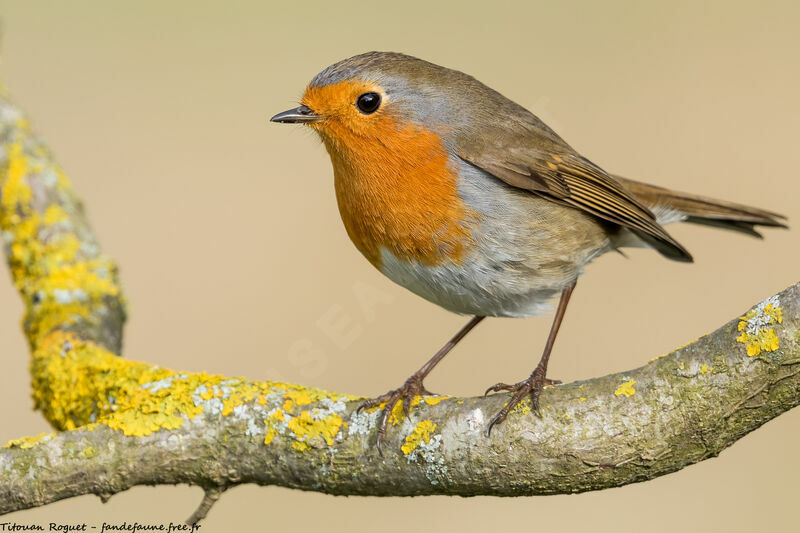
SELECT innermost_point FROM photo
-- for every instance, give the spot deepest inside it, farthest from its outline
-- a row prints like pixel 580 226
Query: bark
pixel 123 423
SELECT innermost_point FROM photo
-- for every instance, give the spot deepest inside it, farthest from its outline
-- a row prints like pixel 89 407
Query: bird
pixel 470 201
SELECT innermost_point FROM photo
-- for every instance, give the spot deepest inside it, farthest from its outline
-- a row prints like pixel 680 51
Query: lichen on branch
pixel 65 281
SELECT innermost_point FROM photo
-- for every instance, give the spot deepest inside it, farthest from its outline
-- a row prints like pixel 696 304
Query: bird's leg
pixel 413 386
pixel 538 379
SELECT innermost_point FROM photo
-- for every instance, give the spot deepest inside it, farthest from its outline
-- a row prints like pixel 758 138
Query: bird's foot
pixel 412 388
pixel 533 386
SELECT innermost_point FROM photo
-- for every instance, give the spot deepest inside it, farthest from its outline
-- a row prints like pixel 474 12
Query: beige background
pixel 231 248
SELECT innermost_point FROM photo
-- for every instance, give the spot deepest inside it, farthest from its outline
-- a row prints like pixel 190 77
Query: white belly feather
pixel 520 259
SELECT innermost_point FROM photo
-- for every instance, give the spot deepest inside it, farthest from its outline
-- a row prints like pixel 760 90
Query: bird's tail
pixel 673 206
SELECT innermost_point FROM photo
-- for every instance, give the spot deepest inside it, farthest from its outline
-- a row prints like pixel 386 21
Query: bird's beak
pixel 298 114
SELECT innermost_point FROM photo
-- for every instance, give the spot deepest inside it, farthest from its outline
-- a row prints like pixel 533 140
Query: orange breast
pixel 394 185
pixel 398 192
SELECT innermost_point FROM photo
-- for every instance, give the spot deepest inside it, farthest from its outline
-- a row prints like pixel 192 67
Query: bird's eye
pixel 368 103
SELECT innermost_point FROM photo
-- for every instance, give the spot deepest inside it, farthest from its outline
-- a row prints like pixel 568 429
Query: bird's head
pixel 379 97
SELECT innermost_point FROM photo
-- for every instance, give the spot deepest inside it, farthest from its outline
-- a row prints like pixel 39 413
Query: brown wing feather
pixel 572 180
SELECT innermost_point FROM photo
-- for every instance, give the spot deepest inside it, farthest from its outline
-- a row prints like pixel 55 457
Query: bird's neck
pixel 399 193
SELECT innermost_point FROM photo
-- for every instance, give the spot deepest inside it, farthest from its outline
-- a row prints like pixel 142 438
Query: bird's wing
pixel 558 173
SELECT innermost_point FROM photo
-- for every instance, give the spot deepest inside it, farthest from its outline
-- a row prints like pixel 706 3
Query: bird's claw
pixel 533 386
pixel 412 388
pixel 497 387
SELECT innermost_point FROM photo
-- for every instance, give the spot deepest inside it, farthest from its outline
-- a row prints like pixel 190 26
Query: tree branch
pixel 124 423
pixel 209 499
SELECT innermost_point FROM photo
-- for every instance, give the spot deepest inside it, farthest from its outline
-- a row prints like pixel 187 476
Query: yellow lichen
pixel 767 341
pixel 687 344
pixel 239 392
pixel 306 429
pixel 422 433
pixel 434 400
pixel 77 382
pixel 15 193
pixel 705 368
pixel 296 397
pixel 523 407
pixel 54 214
pixel 626 389
pixel 89 452
pixel 754 328
pixel 398 412
pixel 29 442
pixel 271 421
pixel 61 281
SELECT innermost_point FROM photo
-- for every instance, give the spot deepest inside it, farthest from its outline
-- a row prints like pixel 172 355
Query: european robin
pixel 469 200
